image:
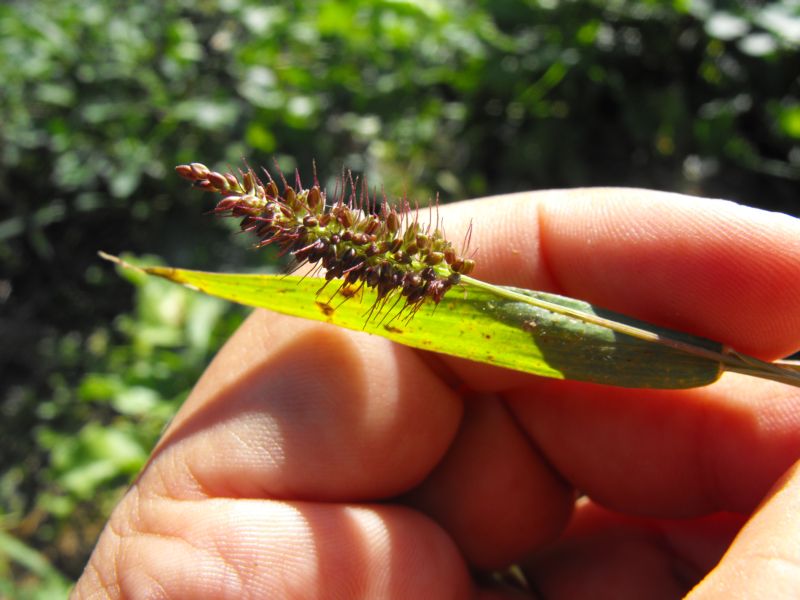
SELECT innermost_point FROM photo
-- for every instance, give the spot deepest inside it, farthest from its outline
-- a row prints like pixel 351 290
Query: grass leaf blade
pixel 475 324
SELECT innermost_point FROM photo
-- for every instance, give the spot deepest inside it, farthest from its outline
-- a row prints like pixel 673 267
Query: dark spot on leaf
pixel 392 329
pixel 326 308
pixel 348 291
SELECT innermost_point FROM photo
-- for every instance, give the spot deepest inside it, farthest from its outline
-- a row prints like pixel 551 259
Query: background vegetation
pixel 99 99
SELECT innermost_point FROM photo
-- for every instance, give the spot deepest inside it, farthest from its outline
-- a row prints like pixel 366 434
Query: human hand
pixel 314 462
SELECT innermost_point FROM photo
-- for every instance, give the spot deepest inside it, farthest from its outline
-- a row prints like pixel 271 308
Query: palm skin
pixel 313 462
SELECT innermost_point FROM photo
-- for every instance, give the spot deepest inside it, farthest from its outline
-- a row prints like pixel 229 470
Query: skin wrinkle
pixel 267 446
pixel 216 553
pixel 127 537
pixel 187 486
pixel 169 537
pixel 132 504
pixel 516 405
pixel 509 401
pixel 476 470
pixel 200 487
pixel 158 585
pixel 595 524
pixel 233 568
pixel 288 569
pixel 539 452
pixel 108 589
pixel 124 533
pixel 357 518
pixel 683 571
pixel 140 518
pixel 169 485
pixel 534 444
pixel 712 478
pixel 113 584
pixel 544 264
pixel 703 542
pixel 533 250
pixel 785 412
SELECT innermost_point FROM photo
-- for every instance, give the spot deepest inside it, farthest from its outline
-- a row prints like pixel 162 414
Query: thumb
pixel 764 559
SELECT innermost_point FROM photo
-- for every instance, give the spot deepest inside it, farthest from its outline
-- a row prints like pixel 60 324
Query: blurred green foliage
pixel 99 99
pixel 115 390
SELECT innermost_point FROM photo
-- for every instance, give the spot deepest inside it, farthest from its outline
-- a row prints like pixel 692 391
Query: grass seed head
pixel 353 238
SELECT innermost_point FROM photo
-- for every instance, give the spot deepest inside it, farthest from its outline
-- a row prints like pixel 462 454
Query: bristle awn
pixel 467 238
pixel 352 185
pixel 337 292
pixel 312 273
pixel 267 174
pixel 352 293
pixel 368 314
pixel 324 285
pixel 436 201
pixel 382 312
pixel 430 218
pixel 280 173
pixel 396 315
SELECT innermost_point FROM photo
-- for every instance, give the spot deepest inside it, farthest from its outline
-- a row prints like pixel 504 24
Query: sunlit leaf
pixel 529 331
pixel 474 324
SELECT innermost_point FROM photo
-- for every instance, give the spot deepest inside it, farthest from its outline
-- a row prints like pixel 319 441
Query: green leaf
pixel 136 400
pixel 471 323
pixel 53 583
pixel 789 118
pixel 533 332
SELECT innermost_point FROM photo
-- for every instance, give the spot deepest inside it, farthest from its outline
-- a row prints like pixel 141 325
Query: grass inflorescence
pixel 356 238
